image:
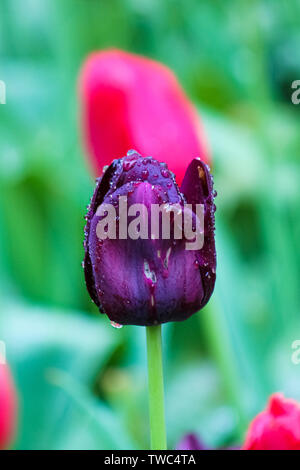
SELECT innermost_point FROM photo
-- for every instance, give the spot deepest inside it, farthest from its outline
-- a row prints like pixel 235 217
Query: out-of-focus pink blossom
pixel 277 427
pixel 129 101
pixel 8 407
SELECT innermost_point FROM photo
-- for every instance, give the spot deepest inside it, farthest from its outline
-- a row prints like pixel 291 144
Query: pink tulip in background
pixel 8 406
pixel 277 427
pixel 132 102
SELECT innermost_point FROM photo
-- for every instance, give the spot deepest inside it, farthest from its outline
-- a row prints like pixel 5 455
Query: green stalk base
pixel 156 389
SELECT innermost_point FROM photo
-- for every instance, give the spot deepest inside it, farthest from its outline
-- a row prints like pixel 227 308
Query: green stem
pixel 156 389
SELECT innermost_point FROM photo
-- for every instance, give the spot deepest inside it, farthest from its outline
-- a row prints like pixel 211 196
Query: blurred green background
pixel 81 383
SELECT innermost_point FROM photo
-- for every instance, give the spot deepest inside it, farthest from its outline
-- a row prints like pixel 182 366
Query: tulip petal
pixel 197 188
pixel 277 427
pixel 191 442
pixel 129 101
pixel 8 406
pixel 148 280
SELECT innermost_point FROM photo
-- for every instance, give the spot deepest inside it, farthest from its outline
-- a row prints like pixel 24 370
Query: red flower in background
pixel 8 406
pixel 129 101
pixel 277 427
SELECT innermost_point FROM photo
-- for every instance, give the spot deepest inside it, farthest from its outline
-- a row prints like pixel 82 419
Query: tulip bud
pixel 191 442
pixel 129 101
pixel 150 253
pixel 277 427
pixel 7 407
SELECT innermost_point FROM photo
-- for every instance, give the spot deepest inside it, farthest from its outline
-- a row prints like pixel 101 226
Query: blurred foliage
pixel 82 384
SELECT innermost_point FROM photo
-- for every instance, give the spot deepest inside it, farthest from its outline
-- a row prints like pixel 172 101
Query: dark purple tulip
pixel 191 442
pixel 149 280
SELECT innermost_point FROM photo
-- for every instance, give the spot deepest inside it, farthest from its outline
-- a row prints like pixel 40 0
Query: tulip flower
pixel 191 442
pixel 135 277
pixel 7 407
pixel 277 427
pixel 129 101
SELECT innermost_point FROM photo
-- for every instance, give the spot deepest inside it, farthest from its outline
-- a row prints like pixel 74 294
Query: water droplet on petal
pixel 150 275
pixel 165 173
pixel 166 260
pixel 128 164
pixel 116 325
pixel 131 152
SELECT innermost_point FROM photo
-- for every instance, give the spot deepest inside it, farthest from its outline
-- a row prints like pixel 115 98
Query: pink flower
pixel 8 407
pixel 277 427
pixel 129 101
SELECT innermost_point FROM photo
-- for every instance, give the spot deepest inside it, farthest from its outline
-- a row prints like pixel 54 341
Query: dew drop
pixel 148 273
pixel 131 152
pixel 116 325
pixel 145 174
pixel 165 173
pixel 166 260
pixel 128 164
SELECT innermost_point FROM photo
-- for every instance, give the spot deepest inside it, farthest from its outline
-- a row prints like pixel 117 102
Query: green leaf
pixel 39 341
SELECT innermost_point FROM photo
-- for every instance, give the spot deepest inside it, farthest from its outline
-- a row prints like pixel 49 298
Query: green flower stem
pixel 156 389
